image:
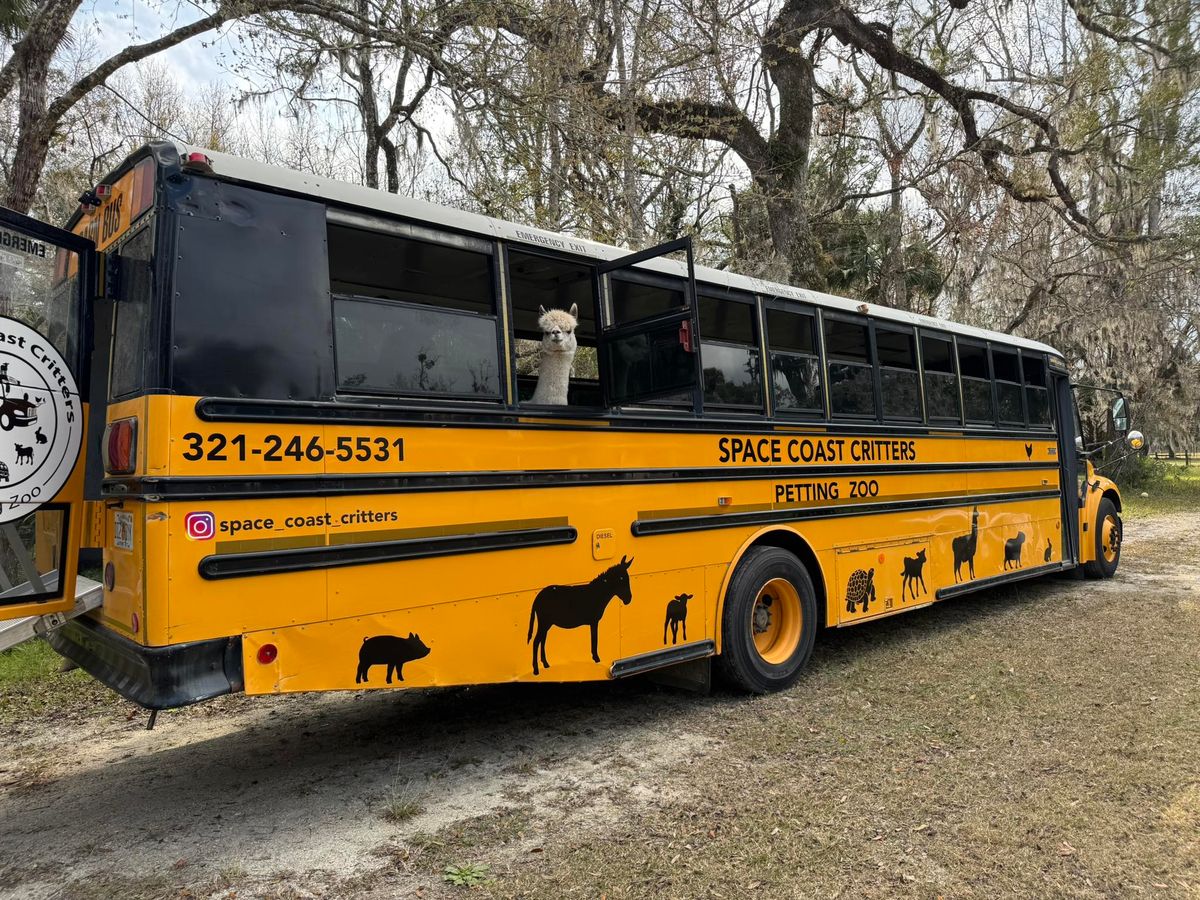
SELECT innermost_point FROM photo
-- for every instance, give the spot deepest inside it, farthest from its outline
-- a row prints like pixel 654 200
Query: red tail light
pixel 267 653
pixel 120 447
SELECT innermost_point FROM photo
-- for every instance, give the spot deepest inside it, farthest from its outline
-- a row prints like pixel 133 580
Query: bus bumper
pixel 155 677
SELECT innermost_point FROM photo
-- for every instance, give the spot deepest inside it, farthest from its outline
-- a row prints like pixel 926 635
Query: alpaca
pixel 558 352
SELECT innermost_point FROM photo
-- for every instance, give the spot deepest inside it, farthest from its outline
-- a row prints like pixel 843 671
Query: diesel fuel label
pixel 814 450
pixel 218 447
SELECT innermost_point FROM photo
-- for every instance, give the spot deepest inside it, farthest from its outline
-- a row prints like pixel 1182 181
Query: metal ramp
pixel 88 596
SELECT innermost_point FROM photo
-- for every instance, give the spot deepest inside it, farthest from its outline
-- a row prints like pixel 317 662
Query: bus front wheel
pixel 769 622
pixel 1108 532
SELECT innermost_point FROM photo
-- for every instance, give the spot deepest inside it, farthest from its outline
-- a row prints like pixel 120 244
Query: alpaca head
pixel 558 329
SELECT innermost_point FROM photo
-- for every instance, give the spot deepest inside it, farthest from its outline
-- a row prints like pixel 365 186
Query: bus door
pixel 47 283
pixel 650 345
pixel 1071 475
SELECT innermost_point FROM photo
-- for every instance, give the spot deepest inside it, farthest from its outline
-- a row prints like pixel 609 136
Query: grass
pixel 33 685
pixel 402 803
pixel 1169 487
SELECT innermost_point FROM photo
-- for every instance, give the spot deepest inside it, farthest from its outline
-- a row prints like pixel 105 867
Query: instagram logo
pixel 200 526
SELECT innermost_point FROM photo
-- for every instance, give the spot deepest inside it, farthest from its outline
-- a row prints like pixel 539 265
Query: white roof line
pixel 247 171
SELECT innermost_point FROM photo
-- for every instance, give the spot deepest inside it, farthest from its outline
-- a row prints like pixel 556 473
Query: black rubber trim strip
pixel 979 584
pixel 647 662
pixel 155 677
pixel 272 562
pixel 184 487
pixel 227 409
pixel 677 525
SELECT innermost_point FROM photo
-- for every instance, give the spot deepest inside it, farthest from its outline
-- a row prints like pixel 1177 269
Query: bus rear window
pixel 132 310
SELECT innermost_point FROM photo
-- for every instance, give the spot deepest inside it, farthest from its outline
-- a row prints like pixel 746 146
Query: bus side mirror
pixel 1118 416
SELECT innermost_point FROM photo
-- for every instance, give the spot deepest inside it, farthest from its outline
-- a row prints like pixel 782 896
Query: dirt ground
pixel 1042 740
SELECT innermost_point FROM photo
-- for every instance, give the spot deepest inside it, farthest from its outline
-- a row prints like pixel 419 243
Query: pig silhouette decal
pixel 388 650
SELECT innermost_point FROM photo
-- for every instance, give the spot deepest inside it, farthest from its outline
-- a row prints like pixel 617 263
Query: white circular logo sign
pixel 41 420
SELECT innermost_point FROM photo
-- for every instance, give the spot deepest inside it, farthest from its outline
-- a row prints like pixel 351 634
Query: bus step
pixel 88 596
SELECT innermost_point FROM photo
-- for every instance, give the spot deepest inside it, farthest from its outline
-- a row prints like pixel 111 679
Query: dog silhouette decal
pixel 1012 550
pixel 388 650
pixel 576 605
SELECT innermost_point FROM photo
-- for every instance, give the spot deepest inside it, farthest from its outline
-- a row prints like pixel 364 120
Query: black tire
pixel 741 663
pixel 6 421
pixel 1107 557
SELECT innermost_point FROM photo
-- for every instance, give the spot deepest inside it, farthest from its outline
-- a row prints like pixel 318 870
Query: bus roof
pixel 249 172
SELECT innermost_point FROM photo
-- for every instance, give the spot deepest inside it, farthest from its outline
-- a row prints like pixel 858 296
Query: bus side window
pixel 412 317
pixel 537 282
pixel 729 353
pixel 851 374
pixel 1037 398
pixel 976 383
pixel 1008 386
pixel 795 363
pixel 640 363
pixel 900 388
pixel 942 403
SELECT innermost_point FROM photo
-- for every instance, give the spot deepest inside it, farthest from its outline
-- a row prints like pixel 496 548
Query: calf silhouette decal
pixel 576 605
pixel 388 650
pixel 914 568
pixel 676 616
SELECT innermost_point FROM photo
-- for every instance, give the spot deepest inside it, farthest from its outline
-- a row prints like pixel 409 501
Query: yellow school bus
pixel 316 462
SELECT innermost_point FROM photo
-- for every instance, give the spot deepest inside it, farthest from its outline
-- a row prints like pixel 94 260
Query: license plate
pixel 123 530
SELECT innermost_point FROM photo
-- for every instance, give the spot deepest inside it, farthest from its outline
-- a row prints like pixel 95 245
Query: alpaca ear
pixel 541 311
pixel 574 310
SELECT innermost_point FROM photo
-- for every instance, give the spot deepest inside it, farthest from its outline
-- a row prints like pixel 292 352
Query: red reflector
pixel 267 654
pixel 102 190
pixel 120 446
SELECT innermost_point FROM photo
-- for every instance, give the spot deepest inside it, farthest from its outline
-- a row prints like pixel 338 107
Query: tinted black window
pixel 795 365
pixel 647 363
pixel 410 349
pixel 851 376
pixel 976 383
pixel 388 267
pixel 128 373
pixel 1007 370
pixel 847 341
pixel 941 381
pixel 1037 397
pixel 412 317
pixel 729 353
pixel 632 300
pixel 900 388
pixel 791 331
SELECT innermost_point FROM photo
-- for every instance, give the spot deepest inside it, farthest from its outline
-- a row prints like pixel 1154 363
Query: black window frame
pixel 514 401
pixel 872 363
pixel 425 234
pixel 978 344
pixel 911 332
pixel 993 347
pixel 728 295
pixel 147 226
pixel 950 338
pixel 814 314
pixel 1050 426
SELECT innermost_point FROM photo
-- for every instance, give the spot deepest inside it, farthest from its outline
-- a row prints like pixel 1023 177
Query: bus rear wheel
pixel 769 622
pixel 1108 532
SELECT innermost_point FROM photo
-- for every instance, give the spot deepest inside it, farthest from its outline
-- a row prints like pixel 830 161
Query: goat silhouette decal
pixel 1012 550
pixel 388 650
pixel 964 547
pixel 676 616
pixel 575 605
pixel 914 568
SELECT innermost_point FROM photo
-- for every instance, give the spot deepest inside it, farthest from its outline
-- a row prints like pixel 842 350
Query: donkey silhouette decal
pixel 575 605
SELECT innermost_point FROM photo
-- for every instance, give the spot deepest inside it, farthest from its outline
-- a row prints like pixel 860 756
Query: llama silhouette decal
pixel 576 605
pixel 388 650
pixel 914 567
pixel 676 616
pixel 1012 551
pixel 964 547
pixel 1049 555
pixel 860 589
pixel 1029 451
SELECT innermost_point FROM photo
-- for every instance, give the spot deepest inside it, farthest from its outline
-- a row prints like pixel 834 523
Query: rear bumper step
pixel 155 677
